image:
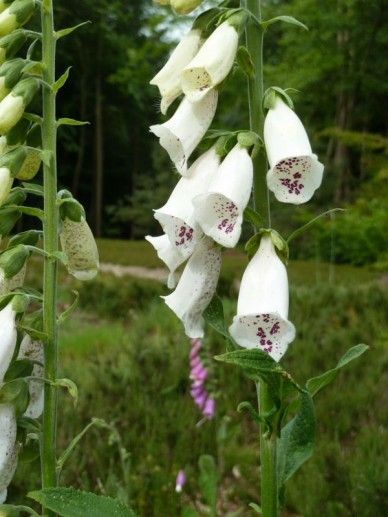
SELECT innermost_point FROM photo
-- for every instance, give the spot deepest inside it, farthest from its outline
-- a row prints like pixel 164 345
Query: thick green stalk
pixel 50 227
pixel 254 41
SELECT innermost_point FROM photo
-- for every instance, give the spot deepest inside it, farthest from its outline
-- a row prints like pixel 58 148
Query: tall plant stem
pixel 50 227
pixel 254 41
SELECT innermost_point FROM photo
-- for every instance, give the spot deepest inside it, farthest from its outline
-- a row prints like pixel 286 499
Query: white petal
pixel 295 172
pixel 8 336
pixel 33 350
pixel 8 430
pixel 181 134
pixel 219 212
pixel 262 309
pixel 6 182
pixel 176 216
pixel 8 471
pixel 196 287
pixel 168 79
pixel 212 64
pixel 169 254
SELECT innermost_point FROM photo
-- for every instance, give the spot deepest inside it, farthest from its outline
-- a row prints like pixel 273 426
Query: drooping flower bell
pixel 262 309
pixel 220 210
pixel 198 376
pixel 212 64
pixel 33 351
pixel 12 268
pixel 295 171
pixel 168 80
pixel 10 165
pixel 12 107
pixel 181 134
pixel 8 448
pixel 16 15
pixel 8 336
pixel 196 287
pixel 176 216
pixel 169 254
pixel 10 44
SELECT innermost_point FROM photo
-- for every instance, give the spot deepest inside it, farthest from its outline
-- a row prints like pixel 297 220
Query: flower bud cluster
pixel 205 210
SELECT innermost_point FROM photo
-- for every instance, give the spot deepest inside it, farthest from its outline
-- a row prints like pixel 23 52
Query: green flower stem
pixel 50 227
pixel 254 41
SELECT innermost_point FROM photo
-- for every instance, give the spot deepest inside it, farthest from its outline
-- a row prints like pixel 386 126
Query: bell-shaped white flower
pixel 8 449
pixel 220 210
pixel 168 80
pixel 181 134
pixel 295 171
pixel 6 182
pixel 262 309
pixel 8 336
pixel 177 215
pixel 212 64
pixel 196 287
pixel 169 254
pixel 33 351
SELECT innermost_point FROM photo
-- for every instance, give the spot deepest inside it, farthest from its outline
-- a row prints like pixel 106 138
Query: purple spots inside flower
pixel 263 332
pixel 294 170
pixel 227 212
pixel 184 234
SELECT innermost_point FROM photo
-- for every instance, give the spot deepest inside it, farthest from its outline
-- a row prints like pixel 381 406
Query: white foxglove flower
pixel 169 254
pixel 181 134
pixel 196 287
pixel 12 107
pixel 6 182
pixel 177 215
pixel 17 14
pixel 262 310
pixel 33 350
pixel 219 211
pixel 185 6
pixel 8 336
pixel 212 64
pixel 168 80
pixel 295 171
pixel 8 448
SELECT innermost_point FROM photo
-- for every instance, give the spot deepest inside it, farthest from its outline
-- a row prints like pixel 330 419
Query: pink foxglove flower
pixel 262 310
pixel 8 448
pixel 181 134
pixel 196 287
pixel 33 350
pixel 169 254
pixel 168 80
pixel 180 481
pixel 212 64
pixel 177 215
pixel 8 336
pixel 220 210
pixel 295 171
pixel 198 376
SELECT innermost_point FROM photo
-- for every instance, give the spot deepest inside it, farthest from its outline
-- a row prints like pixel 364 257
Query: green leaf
pixel 33 188
pixel 208 479
pixel 61 81
pixel 244 61
pixel 253 217
pixel 19 368
pixel 214 316
pixel 69 311
pixel 255 507
pixel 15 392
pixel 65 32
pixel 260 365
pixel 286 19
pixel 68 502
pixel 306 226
pixel 11 510
pixel 71 122
pixel 316 384
pixel 296 442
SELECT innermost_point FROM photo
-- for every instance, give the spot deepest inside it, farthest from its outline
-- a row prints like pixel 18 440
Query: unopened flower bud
pixel 78 244
pixel 4 4
pixel 10 73
pixel 16 15
pixel 13 160
pixel 13 105
pixel 31 165
pixel 185 6
pixel 13 260
pixel 6 181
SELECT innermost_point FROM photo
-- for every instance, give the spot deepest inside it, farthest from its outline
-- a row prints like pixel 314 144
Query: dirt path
pixel 159 274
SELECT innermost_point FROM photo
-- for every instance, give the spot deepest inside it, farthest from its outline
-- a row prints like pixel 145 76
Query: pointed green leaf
pixel 69 311
pixel 214 316
pixel 71 122
pixel 19 368
pixel 61 81
pixel 68 502
pixel 244 61
pixel 286 19
pixel 306 226
pixel 65 32
pixel 316 384
pixel 296 442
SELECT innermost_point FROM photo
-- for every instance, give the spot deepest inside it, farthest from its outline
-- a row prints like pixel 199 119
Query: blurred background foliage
pixel 339 67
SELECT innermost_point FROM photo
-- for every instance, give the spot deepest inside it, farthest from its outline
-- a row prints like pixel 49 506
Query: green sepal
pixel 23 10
pixel 244 61
pixel 237 18
pixel 20 302
pixel 26 88
pixel 13 42
pixel 249 139
pixel 61 81
pixel 14 159
pixel 29 237
pixel 316 384
pixel 225 144
pixel 69 207
pixel 11 71
pixel 19 369
pixel 253 217
pixel 17 196
pixel 270 95
pixel 280 244
pixel 12 260
pixel 15 392
pixel 65 121
pixel 18 134
pixel 206 21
